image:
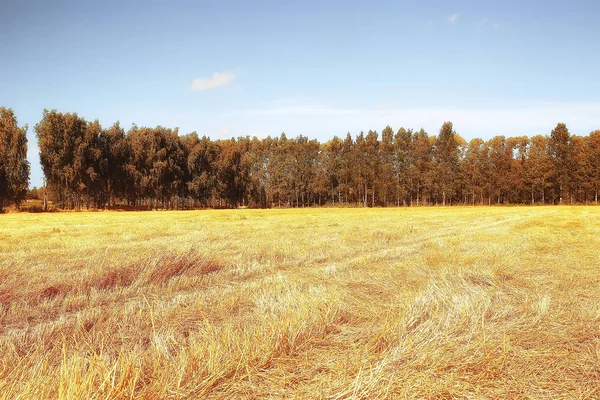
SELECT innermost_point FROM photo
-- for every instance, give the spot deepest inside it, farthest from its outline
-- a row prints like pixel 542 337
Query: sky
pixel 317 68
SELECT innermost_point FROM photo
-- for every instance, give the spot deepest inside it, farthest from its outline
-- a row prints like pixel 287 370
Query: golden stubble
pixel 467 302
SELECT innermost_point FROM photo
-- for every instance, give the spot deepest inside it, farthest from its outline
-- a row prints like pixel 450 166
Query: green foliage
pixel 14 167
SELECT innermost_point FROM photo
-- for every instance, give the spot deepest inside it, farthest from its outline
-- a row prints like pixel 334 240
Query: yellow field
pixel 316 303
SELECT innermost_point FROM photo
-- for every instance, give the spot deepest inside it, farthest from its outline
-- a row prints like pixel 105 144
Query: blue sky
pixel 317 68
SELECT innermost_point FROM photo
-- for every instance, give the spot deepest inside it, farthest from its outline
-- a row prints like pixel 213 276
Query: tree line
pixel 88 166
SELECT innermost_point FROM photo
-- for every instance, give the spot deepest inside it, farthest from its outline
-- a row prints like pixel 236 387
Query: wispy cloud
pixel 453 19
pixel 523 119
pixel 302 110
pixel 217 79
pixel 482 23
pixel 225 130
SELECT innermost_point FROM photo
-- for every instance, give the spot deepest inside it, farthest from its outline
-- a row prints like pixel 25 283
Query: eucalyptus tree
pixel 14 167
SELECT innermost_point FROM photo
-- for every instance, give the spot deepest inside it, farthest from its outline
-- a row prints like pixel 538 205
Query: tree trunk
pixel 373 197
pixel 561 194
pixel 543 196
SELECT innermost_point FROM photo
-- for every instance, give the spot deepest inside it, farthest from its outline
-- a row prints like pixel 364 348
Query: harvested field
pixel 455 302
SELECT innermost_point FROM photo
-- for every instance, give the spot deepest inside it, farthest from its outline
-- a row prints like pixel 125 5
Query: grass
pixel 317 303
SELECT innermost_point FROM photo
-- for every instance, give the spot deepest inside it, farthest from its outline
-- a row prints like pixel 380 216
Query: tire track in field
pixel 458 231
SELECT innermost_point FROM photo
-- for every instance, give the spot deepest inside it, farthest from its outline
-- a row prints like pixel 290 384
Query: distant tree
pixel 59 135
pixel 372 163
pixel 319 184
pixel 385 177
pixel 140 165
pixel 404 183
pixel 202 155
pixel 446 161
pixel 348 170
pixel 581 170
pixel 14 167
pixel 88 165
pixel 421 170
pixel 538 168
pixel 257 158
pixel 115 154
pixel 360 169
pixel 500 156
pixel 460 185
pixel 33 194
pixel 232 172
pixel 593 142
pixel 333 163
pixel 474 169
pixel 559 146
pixel 278 167
pixel 517 190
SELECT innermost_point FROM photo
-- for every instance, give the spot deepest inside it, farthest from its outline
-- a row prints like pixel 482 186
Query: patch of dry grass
pixel 316 303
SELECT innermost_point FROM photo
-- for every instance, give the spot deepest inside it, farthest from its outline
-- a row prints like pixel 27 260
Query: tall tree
pixel 202 155
pixel 88 164
pixel 334 165
pixel 360 169
pixel 116 152
pixel 517 190
pixel 421 168
pixel 402 162
pixel 58 137
pixel 14 167
pixel 559 146
pixel 474 169
pixel 233 171
pixel 581 171
pixel 372 162
pixel 446 156
pixel 593 142
pixel 348 169
pixel 385 178
pixel 538 168
pixel 500 162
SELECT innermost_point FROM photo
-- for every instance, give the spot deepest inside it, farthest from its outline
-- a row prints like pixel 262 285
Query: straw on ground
pixel 314 303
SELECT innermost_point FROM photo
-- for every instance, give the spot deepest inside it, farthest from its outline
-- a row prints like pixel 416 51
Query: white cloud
pixel 453 18
pixel 482 23
pixel 217 79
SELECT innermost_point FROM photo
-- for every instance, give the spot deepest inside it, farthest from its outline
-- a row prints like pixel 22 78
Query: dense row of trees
pixel 88 166
pixel 14 168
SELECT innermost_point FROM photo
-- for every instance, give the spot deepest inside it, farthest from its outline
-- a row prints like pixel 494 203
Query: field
pixel 456 302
